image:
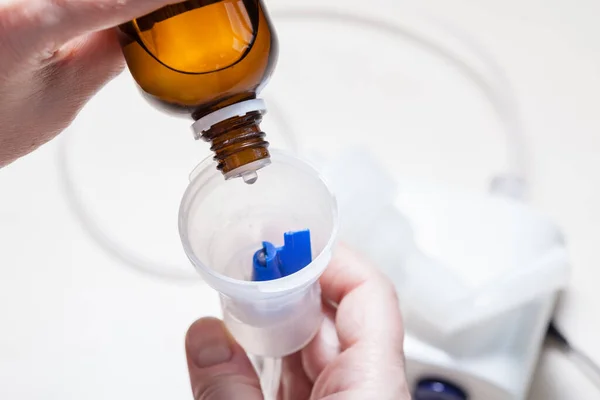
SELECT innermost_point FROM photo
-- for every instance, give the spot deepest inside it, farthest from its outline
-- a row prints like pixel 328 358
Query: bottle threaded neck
pixel 239 145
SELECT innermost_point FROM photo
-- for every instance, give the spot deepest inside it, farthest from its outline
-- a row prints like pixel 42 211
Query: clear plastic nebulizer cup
pixel 223 223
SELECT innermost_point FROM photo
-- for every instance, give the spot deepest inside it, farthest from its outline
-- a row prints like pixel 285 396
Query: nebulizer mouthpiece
pixel 263 247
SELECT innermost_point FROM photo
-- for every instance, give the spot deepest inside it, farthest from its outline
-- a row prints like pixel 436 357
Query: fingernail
pixel 210 343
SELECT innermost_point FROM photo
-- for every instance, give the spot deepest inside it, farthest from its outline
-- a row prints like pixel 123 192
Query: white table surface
pixel 72 314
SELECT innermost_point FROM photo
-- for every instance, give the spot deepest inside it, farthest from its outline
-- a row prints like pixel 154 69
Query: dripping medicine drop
pixel 250 177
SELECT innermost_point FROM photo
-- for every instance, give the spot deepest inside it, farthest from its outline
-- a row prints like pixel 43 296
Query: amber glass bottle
pixel 209 59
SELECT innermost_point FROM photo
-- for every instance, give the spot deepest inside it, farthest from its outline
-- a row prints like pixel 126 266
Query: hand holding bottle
pixel 55 55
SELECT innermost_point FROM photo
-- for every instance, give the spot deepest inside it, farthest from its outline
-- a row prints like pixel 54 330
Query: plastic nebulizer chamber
pixel 223 223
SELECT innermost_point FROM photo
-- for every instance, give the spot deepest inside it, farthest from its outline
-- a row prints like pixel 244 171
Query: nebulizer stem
pixel 271 263
pixel 269 373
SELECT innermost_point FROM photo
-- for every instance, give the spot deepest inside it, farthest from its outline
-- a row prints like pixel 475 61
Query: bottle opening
pixel 237 141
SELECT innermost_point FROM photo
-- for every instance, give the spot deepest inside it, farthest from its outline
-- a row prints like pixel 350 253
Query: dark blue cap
pixel 435 389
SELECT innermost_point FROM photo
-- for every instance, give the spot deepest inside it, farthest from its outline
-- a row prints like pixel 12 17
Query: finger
pixel 368 306
pixel 219 367
pixel 370 332
pixel 323 348
pixel 42 26
pixel 363 372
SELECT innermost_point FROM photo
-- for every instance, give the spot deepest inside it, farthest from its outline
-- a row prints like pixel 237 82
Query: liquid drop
pixel 250 177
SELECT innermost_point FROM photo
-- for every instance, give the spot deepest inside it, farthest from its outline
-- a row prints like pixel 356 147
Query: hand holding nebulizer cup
pixel 223 223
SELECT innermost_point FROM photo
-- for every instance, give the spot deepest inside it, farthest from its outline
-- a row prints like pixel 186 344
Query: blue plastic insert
pixel 272 263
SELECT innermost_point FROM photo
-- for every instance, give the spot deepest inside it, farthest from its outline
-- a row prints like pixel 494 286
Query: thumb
pixel 219 367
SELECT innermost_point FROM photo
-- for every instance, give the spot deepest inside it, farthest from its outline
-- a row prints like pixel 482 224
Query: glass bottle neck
pixel 239 145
